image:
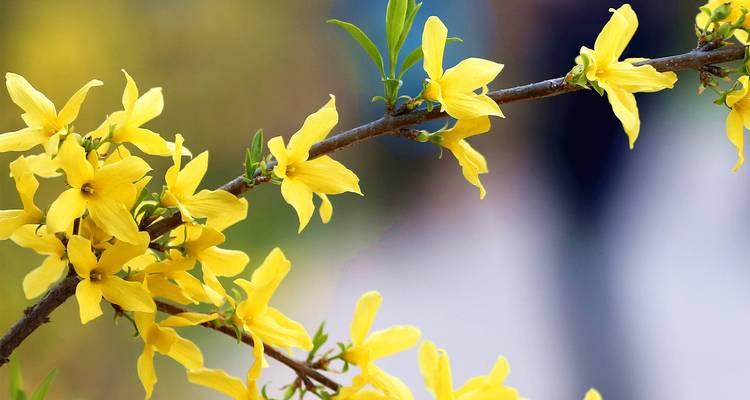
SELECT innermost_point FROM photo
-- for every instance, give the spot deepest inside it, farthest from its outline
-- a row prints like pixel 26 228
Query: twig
pixel 302 369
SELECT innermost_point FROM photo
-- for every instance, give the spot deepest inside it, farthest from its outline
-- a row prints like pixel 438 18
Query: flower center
pixel 87 189
pixel 95 276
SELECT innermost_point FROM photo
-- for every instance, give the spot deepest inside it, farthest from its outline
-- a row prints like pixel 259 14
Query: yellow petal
pixel 114 219
pixel 22 140
pixel 80 255
pixel 69 112
pixel 146 371
pixel 26 185
pixel 741 93
pixel 392 340
pixel 469 105
pixel 31 237
pixel 89 297
pixel 364 315
pixel 298 195
pixel 265 280
pixel 130 94
pixel 316 128
pixel 191 176
pixel 472 163
pixel 392 386
pixel 147 107
pixel 125 171
pixel 37 106
pixel 466 128
pixel 114 258
pixel 593 394
pixel 70 205
pixel 131 296
pixel 220 381
pixel 444 378
pixel 221 208
pixel 36 282
pixel 187 319
pixel 224 262
pixel 428 365
pixel 434 37
pixel 253 374
pixel 326 175
pixel 626 109
pixel 277 329
pixel 145 140
pixel 616 35
pixel 278 150
pixel 78 170
pixel 43 165
pixel 469 75
pixel 326 208
pixel 644 78
pixel 186 353
pixel 11 221
pixel 736 135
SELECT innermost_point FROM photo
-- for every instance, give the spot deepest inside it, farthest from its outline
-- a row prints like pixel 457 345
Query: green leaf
pixel 364 41
pixel 41 390
pixel 417 55
pixel 16 380
pixel 254 154
pixel 411 13
pixel 395 18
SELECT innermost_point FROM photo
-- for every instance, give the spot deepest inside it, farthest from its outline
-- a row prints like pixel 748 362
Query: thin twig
pixel 302 369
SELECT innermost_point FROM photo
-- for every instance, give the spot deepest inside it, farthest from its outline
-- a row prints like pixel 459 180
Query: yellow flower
pixel 382 386
pixel 106 192
pixel 302 177
pixel 41 278
pixel 436 371
pixel 266 323
pixel 98 277
pixel 162 338
pixel 592 394
pixel 26 185
pixel 472 162
pixel 739 118
pixel 233 387
pixel 702 19
pixel 220 207
pixel 44 125
pixel 456 88
pixel 127 123
pixel 620 79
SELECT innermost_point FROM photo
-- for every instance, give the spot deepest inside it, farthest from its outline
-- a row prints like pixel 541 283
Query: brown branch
pixel 301 368
pixel 37 314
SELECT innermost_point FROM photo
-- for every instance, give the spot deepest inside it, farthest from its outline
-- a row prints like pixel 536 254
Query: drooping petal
pixel 326 175
pixel 298 195
pixel 469 105
pixel 37 106
pixel 253 374
pixel 736 135
pixel 392 340
pixel 186 353
pixel 644 78
pixel 145 140
pixel 80 255
pixel 326 208
pixel 220 381
pixel 221 208
pixel 740 94
pixel 114 219
pixel 224 262
pixel 434 36
pixel 36 282
pixel 316 128
pixel 89 296
pixel 22 140
pixel 131 296
pixel 70 205
pixel 626 109
pixel 469 75
pixel 146 371
pixel 34 238
pixel 69 112
pixel 472 163
pixel 616 34
pixel 465 128
pixel 364 315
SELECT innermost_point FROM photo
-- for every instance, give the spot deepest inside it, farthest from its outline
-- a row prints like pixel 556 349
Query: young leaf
pixel 411 13
pixel 364 41
pixel 41 390
pixel 16 380
pixel 416 56
pixel 395 18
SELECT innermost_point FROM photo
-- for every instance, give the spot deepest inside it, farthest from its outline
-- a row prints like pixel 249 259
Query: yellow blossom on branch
pixel 26 185
pixel 702 19
pixel 436 371
pixel 44 125
pixel 106 192
pixel 98 277
pixel 301 177
pixel 471 161
pixel 455 89
pixel 36 282
pixel 620 79
pixel 739 118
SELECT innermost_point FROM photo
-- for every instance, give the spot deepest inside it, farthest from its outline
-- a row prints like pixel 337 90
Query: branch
pixel 302 369
pixel 38 314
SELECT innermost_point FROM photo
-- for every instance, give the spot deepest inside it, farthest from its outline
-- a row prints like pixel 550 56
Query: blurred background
pixel 586 265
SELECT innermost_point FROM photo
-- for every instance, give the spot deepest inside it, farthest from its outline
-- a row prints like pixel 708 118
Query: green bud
pixel 423 137
pixel 721 12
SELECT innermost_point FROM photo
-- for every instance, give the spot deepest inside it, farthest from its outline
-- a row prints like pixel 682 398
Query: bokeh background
pixel 586 265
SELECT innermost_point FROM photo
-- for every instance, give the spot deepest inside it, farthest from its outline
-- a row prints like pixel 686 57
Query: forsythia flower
pixel 127 123
pixel 106 192
pixel 41 278
pixel 44 124
pixel 162 338
pixel 98 277
pixel 592 394
pixel 739 102
pixel 254 314
pixel 383 387
pixel 26 185
pixel 220 207
pixel 702 18
pixel 472 162
pixel 620 79
pixel 436 371
pixel 302 177
pixel 455 89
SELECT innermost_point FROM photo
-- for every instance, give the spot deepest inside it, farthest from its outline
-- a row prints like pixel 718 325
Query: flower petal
pixel 31 237
pixel 114 258
pixel 220 381
pixel 469 75
pixel 626 109
pixel 434 36
pixel 224 262
pixel 89 296
pixel 37 106
pixel 469 105
pixel 146 371
pixel 299 196
pixel 78 170
pixel 70 205
pixel 186 353
pixel 644 78
pixel 22 140
pixel 616 35
pixel 36 282
pixel 191 176
pixel 145 140
pixel 326 175
pixel 736 135
pixel 325 209
pixel 364 315
pixel 131 296
pixel 112 217
pixel 392 340
pixel 221 208
pixel 69 112
pixel 80 255
pixel 147 107
pixel 316 128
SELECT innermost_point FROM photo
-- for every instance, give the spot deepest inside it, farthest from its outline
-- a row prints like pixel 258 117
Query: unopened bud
pixel 721 12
